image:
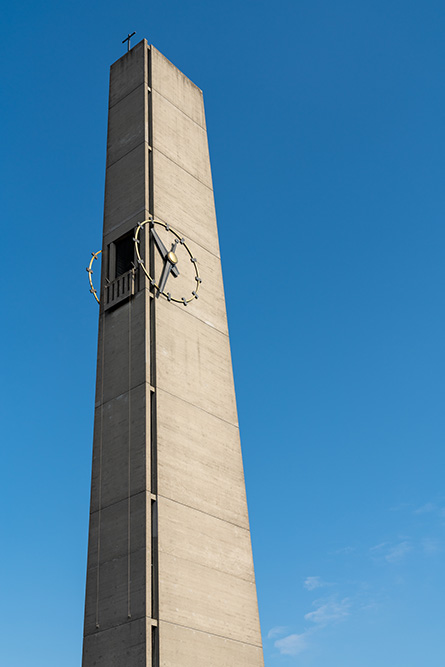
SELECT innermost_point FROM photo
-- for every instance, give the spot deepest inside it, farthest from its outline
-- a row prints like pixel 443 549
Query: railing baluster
pixel 123 287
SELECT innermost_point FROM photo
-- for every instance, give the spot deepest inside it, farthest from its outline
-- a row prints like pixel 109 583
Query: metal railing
pixel 120 289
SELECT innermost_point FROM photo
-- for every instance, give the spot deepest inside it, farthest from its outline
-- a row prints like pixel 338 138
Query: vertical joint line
pixel 129 468
pixel 99 517
pixel 154 646
pixel 152 305
pixel 155 661
pixel 154 560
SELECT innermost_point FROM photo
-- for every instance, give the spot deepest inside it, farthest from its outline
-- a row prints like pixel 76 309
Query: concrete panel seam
pixel 150 148
pixel 209 324
pixel 116 502
pixel 207 567
pixel 111 234
pixel 126 95
pixel 119 625
pixel 203 127
pixel 152 47
pixel 196 509
pixel 112 560
pixel 195 241
pixel 209 187
pixel 213 634
pixel 124 393
pixel 198 407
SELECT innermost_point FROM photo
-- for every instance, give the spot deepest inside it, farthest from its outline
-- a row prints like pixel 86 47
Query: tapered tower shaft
pixel 170 576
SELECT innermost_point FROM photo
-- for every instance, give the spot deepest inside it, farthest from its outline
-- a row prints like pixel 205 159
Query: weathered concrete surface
pixel 184 201
pixel 194 362
pixel 117 592
pixel 206 599
pixel 125 645
pixel 184 646
pixel 128 73
pixel 193 535
pixel 125 131
pixel 206 579
pixel 200 461
pixel 183 409
pixel 119 559
pixel 125 181
pixel 120 464
pixel 169 82
pixel 180 139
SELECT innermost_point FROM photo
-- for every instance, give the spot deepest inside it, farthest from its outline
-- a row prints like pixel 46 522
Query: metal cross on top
pixel 127 39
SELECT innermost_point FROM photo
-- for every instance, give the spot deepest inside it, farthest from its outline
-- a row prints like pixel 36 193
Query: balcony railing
pixel 120 289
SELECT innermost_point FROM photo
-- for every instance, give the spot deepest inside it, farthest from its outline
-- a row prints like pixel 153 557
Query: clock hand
pixel 170 262
pixel 163 250
pixel 165 274
pixel 161 247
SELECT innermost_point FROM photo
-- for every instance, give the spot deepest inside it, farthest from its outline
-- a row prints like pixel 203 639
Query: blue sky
pixel 327 137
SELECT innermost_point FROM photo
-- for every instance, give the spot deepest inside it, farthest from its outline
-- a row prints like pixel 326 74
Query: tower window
pixel 124 255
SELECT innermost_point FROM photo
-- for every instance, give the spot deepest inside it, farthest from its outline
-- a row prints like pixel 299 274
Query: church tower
pixel 170 578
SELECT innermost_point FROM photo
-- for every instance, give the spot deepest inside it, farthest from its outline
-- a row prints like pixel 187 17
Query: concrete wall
pixel 118 592
pixel 157 161
pixel 208 608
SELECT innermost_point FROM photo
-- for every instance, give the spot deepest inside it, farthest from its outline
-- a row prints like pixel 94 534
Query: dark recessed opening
pixel 124 255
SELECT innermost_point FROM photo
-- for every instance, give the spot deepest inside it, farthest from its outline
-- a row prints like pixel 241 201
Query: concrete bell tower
pixel 170 579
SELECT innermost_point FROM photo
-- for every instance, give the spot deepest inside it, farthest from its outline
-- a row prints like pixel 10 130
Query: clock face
pixel 177 274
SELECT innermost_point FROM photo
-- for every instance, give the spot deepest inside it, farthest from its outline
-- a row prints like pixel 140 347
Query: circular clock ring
pixel 95 255
pixel 172 259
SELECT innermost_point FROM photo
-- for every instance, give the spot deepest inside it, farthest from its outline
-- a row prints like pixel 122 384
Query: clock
pixel 174 262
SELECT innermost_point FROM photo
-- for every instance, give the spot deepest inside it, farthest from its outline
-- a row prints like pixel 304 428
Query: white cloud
pixel 329 611
pixel 311 583
pixel 277 631
pixel 292 644
pixel 399 507
pixel 425 509
pixel 344 550
pixel 430 546
pixel 392 553
pixel 398 551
